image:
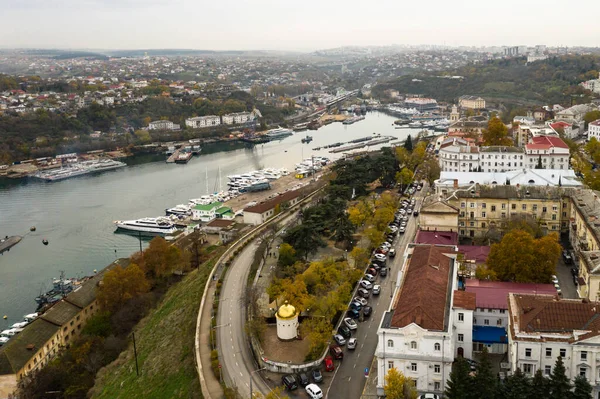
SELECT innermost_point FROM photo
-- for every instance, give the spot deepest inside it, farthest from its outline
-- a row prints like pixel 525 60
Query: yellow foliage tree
pixel 360 257
pixel 398 386
pixel 161 258
pixel 120 285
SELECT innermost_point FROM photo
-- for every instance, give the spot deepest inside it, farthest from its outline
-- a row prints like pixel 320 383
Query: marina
pixel 79 169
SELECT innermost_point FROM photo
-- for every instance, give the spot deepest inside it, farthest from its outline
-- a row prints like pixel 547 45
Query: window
pixel 461 337
pixel 390 343
pixel 528 368
pixel 472 224
pixel 483 205
pixel 461 317
pixel 548 352
pixel 483 225
pixel 437 347
pixel 534 206
pixel 499 322
pixel 547 370
pixel 502 311
pixel 437 386
pixel 554 216
pixel 486 322
pixel 413 367
pixel 483 214
pixel 583 371
pixel 524 207
pixel 563 353
pixel 462 214
pixel 554 208
pixel 503 206
pixel 413 344
pixel 472 205
pixel 493 208
pixel 544 209
pixel 436 368
pixel 390 365
pixel 462 204
pixel 513 206
pixel 583 355
pixel 527 352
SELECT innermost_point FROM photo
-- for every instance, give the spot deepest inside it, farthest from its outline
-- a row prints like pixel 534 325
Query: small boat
pixel 32 228
pixel 45 242
pixel 307 139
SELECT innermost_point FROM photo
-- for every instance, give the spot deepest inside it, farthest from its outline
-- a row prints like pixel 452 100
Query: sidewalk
pixel 214 387
pixel 370 390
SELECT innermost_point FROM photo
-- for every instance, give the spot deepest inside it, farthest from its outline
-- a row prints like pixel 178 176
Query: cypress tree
pixel 516 386
pixel 484 383
pixel 408 144
pixel 583 389
pixel 459 383
pixel 540 386
pixel 560 386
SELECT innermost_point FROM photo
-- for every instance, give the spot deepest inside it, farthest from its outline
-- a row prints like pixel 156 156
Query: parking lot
pixel 565 279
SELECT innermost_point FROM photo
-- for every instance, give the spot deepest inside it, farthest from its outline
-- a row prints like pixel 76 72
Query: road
pixel 235 356
pixel 349 379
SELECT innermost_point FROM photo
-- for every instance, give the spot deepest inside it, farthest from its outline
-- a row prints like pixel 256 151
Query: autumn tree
pixel 398 386
pixel 432 170
pixel 287 255
pixel 360 257
pixel 591 116
pixel 318 331
pixel 496 133
pixel 120 285
pixel 275 393
pixel 593 149
pixel 404 177
pixel 521 258
pixel 161 258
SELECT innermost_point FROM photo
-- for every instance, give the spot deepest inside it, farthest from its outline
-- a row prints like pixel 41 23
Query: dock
pixel 173 156
pixel 7 243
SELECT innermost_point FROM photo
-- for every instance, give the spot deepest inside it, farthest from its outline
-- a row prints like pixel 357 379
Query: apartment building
pixel 163 125
pixel 544 327
pixel 471 102
pixel 552 151
pixel 416 335
pixel 486 210
pixel 594 129
pixel 203 121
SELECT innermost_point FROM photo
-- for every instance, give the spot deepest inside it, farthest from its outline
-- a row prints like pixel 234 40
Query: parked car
pixel 392 253
pixel 366 285
pixel 380 257
pixel 367 310
pixel 350 323
pixel 351 343
pixel 329 365
pixel 554 280
pixel 339 339
pixel 376 289
pixel 344 331
pixel 567 257
pixel 429 395
pixel 314 392
pixel 317 376
pixel 290 382
pixel 369 278
pixel 383 272
pixel 416 213
pixel 372 271
pixel 402 230
pixel 574 271
pixel 336 352
pixel 363 292
pixel 361 300
pixel 353 313
pixel 303 379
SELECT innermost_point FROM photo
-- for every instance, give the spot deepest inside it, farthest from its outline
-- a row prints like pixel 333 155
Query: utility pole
pixel 140 238
pixel 252 372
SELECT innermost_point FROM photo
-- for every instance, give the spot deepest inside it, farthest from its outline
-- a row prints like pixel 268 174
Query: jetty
pixel 8 242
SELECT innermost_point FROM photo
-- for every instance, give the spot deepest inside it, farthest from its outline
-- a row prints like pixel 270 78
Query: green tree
pixel 540 385
pixel 560 386
pixel 408 144
pixel 539 163
pixel 593 149
pixel 516 386
pixel 304 239
pixel 591 116
pixel 583 389
pixel 287 255
pixel 398 386
pixel 496 133
pixel 404 177
pixel 458 385
pixel 484 382
pixel 343 228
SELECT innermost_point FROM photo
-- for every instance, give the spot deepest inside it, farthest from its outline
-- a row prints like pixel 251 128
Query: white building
pixel 457 156
pixel 575 114
pixel 203 121
pixel 471 102
pixel 287 322
pixel 162 125
pixel 206 213
pixel 416 335
pixel 238 118
pixel 544 327
pixel 553 152
pixel 594 129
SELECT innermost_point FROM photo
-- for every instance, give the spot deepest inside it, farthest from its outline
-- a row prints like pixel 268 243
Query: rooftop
pixel 272 203
pixel 547 141
pixel 499 148
pixel 208 207
pixel 512 192
pixel 464 300
pixel 220 223
pixel 430 205
pixel 474 253
pixel 15 354
pixel 591 260
pixel 436 237
pixel 530 177
pixel 424 296
pixel 494 294
pixel 61 313
pixel 586 202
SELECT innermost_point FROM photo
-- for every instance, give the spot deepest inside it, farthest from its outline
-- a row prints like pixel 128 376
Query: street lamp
pixel 252 372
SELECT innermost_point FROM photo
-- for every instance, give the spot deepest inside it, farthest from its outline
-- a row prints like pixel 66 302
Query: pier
pixel 9 242
pixel 173 156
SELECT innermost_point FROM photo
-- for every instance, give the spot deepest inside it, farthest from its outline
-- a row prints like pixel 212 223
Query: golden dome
pixel 286 311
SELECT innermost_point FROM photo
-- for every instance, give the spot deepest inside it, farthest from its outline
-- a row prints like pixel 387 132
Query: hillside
pixel 551 81
pixel 165 347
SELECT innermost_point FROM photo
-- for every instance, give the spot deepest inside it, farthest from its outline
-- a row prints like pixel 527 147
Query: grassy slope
pixel 165 346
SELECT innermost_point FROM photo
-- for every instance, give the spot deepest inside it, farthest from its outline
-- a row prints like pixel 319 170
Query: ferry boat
pixel 160 225
pixel 279 132
pixel 301 126
pixel 79 169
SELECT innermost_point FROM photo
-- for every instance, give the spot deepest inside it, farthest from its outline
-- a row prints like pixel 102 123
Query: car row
pixel 291 382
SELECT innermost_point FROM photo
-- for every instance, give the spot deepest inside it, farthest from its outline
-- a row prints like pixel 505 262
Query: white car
pixel 386 244
pixel 366 285
pixel 350 323
pixel 376 289
pixel 361 300
pixel 380 257
pixel 314 391
pixel 351 343
pixel 554 279
pixel 429 396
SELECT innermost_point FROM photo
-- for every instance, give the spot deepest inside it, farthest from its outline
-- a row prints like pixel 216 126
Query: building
pixel 584 228
pixel 208 212
pixel 471 102
pixel 575 114
pixel 490 319
pixel 203 121
pixel 416 335
pixel 451 181
pixel 162 125
pixel 438 215
pixel 45 337
pixel 260 213
pixel 552 151
pixel 241 117
pixel 287 322
pixel 542 114
pixel 486 210
pixel 433 237
pixel 588 279
pixel 421 104
pixel 594 130
pixel 544 327
pixel 471 127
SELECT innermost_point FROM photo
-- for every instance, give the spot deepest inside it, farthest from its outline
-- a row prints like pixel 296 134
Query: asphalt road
pixel 235 357
pixel 349 378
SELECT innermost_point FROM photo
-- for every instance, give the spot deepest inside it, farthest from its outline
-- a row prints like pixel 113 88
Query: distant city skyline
pixel 285 26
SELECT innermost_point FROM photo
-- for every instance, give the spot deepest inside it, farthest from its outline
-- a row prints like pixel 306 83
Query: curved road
pixel 235 356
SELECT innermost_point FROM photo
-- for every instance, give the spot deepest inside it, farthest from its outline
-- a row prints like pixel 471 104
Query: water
pixel 76 215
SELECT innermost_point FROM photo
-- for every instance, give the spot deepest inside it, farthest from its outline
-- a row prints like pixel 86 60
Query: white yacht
pixel 179 210
pixel 271 174
pixel 158 225
pixel 279 132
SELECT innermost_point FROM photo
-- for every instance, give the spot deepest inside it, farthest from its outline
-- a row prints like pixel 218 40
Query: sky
pixel 304 25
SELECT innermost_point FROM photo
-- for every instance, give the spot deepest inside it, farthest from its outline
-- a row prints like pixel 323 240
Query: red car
pixel 329 366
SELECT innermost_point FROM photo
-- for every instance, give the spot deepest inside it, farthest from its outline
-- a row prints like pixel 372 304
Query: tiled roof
pixel 220 223
pixel 14 354
pixel 436 237
pixel 550 141
pixel 272 203
pixel 61 313
pixel 548 314
pixel 425 292
pixel 477 253
pixel 494 294
pixel 464 300
pixel 86 293
pixel 439 207
pixel 513 192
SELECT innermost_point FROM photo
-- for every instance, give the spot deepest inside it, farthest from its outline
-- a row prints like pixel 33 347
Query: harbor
pixel 76 215
pixel 7 243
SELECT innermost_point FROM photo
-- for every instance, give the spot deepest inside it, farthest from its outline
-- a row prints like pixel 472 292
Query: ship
pixel 60 288
pixel 79 169
pixel 279 132
pixel 307 139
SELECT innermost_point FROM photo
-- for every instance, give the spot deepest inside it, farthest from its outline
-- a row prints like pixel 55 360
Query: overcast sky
pixel 292 25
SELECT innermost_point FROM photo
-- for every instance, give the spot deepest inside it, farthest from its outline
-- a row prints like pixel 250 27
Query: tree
pixel 360 256
pixel 516 386
pixel 343 228
pixel 275 393
pixel 593 149
pixel 408 144
pixel 398 386
pixel 496 133
pixel 560 386
pixel 583 389
pixel 120 285
pixel 484 382
pixel 539 163
pixel 304 239
pixel 161 258
pixel 540 385
pixel 404 177
pixel 591 116
pixel 318 331
pixel 458 385
pixel 287 255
